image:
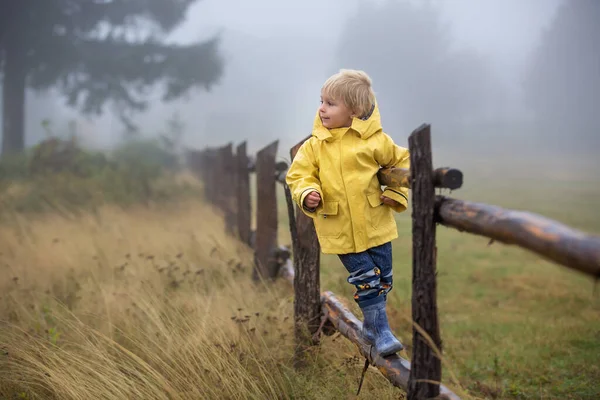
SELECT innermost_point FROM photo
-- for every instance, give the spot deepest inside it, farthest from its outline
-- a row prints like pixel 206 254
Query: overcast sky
pixel 505 29
pixel 270 44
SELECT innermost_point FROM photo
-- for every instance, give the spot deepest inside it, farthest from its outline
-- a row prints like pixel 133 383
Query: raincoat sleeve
pixel 390 154
pixel 303 177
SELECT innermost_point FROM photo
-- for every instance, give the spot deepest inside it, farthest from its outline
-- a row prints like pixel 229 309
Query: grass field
pixel 156 303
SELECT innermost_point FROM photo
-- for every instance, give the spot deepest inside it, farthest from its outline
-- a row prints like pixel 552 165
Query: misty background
pixel 502 77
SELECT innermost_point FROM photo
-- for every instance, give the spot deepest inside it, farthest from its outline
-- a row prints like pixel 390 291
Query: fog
pixel 489 75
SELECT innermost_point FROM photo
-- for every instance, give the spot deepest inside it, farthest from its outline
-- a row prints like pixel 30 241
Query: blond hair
pixel 353 87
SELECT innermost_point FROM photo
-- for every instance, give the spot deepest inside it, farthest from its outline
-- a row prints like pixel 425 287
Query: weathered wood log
pixel 395 368
pixel 307 286
pixel 550 239
pixel 427 366
pixel 266 213
pixel 244 210
pixel 446 178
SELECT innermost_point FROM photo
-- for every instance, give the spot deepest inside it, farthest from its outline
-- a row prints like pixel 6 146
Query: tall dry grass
pixel 156 302
pixel 152 303
pixel 137 303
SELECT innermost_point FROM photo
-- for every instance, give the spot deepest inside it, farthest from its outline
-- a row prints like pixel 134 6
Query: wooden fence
pixel 317 312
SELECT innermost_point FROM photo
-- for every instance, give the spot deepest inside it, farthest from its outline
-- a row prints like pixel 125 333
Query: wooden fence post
pixel 266 213
pixel 226 183
pixel 307 290
pixel 547 238
pixel 244 209
pixel 426 368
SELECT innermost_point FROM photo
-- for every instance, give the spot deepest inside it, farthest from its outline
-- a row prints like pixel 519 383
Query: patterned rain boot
pixel 377 330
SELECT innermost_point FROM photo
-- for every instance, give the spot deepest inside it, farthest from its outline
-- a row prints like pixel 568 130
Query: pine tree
pixel 96 52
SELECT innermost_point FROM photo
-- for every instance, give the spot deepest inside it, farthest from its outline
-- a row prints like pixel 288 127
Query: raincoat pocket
pixel 328 222
pixel 379 215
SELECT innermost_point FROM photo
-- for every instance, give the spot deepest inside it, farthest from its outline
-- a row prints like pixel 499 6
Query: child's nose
pixel 322 108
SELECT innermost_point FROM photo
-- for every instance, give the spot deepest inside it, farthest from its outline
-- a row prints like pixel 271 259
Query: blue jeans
pixel 371 273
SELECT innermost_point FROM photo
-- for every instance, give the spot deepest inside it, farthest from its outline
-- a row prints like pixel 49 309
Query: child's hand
pixel 389 202
pixel 312 199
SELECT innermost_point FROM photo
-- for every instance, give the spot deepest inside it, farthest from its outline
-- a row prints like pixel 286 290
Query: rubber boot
pixel 377 330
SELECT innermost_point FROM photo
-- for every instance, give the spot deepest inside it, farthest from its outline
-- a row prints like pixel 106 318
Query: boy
pixel 333 178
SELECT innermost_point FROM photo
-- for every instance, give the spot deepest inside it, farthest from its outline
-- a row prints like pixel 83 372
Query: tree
pixel 97 52
pixel 417 75
pixel 562 84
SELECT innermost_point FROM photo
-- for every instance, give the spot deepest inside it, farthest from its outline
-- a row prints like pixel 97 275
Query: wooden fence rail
pixel 226 183
pixel 446 178
pixel 545 237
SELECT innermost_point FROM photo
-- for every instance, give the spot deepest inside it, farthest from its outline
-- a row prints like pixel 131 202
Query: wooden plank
pixel 307 286
pixel 395 368
pixel 244 206
pixel 266 213
pixel 545 237
pixel 426 364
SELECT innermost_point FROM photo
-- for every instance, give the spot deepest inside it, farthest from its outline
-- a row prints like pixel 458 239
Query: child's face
pixel 334 113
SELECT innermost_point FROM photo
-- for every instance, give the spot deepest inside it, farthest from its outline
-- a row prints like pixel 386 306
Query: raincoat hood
pixel 341 165
pixel 365 127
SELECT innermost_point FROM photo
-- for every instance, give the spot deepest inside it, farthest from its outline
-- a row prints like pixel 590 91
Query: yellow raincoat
pixel 341 164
